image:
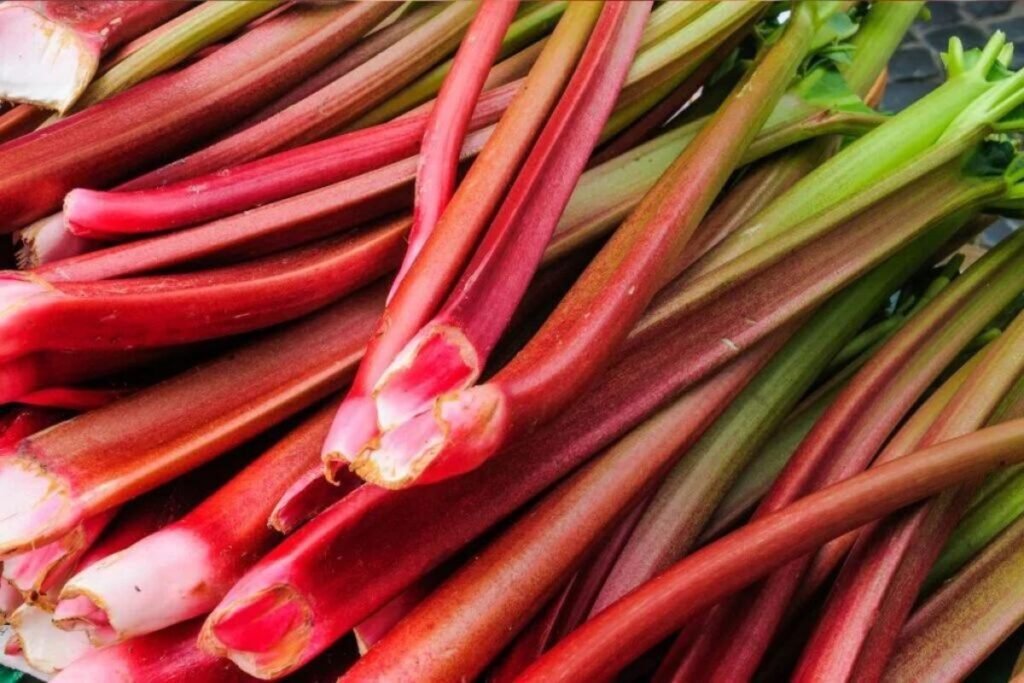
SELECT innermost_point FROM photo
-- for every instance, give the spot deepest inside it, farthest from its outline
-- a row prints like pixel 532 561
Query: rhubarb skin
pixel 183 570
pixel 463 625
pixel 657 608
pixel 177 309
pixel 158 117
pixel 120 214
pixel 448 354
pixel 473 424
pixel 51 48
pixel 442 258
pixel 438 520
pixel 105 457
pixel 168 656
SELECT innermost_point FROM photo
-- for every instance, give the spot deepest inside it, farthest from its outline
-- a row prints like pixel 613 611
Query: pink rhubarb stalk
pixel 641 619
pixel 82 467
pixel 175 309
pixel 180 109
pixel 50 49
pixel 449 352
pixel 421 292
pixel 439 428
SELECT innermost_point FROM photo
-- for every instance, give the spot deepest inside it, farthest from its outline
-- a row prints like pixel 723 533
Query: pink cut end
pixel 438 360
pixel 35 509
pixel 263 635
pixel 41 61
pixel 354 426
pixel 12 648
pixel 463 431
pixel 46 241
pixel 80 613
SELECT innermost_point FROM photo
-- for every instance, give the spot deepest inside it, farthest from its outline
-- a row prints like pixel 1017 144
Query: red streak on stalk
pixel 168 656
pixel 421 292
pixel 878 584
pixel 54 47
pixel 22 422
pixel 463 625
pixel 174 309
pixel 72 398
pixel 119 214
pixel 842 443
pixel 641 619
pixel 449 121
pixel 110 455
pixel 465 428
pixel 147 123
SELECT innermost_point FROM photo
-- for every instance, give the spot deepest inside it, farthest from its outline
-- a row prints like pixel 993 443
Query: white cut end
pixel 41 61
pixel 163 579
pixel 35 508
pixel 17 662
pixel 43 645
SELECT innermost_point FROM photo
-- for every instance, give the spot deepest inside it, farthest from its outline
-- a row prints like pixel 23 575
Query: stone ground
pixel 915 68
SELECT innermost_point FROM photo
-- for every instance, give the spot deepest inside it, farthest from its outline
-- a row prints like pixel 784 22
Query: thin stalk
pixel 473 422
pixel 964 621
pixel 110 455
pixel 213 23
pixel 448 353
pixel 443 256
pixel 52 49
pixel 653 611
pixel 669 17
pixel 182 308
pixel 88 149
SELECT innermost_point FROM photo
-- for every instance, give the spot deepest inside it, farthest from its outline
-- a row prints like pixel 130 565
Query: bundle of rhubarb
pixel 540 341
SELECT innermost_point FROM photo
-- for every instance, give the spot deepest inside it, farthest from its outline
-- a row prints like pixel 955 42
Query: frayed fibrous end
pixel 36 507
pixel 354 426
pixel 463 430
pixel 47 240
pixel 81 613
pixel 41 61
pixel 42 644
pixel 264 634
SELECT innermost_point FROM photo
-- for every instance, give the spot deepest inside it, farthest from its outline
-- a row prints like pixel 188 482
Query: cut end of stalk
pixel 354 426
pixel 41 61
pixel 307 497
pixel 438 360
pixel 45 241
pixel 264 635
pixel 82 613
pixel 37 508
pixel 462 431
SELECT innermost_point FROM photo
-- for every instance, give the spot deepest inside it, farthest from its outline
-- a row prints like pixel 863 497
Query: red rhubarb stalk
pixel 168 656
pixel 37 372
pixel 641 619
pixel 442 258
pixel 449 120
pixel 157 118
pixel 477 610
pixel 882 576
pixel 22 422
pixel 99 460
pixel 51 48
pixel 175 309
pixel 439 428
pixel 449 352
pixel 71 398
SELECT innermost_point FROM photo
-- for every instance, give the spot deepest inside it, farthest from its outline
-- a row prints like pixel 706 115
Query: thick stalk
pixel 651 612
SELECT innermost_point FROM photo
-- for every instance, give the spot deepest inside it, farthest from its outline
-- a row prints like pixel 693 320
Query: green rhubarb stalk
pixel 948 121
pixel 211 23
pixel 535 23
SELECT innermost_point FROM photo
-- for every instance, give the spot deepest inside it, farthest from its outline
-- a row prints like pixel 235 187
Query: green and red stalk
pixel 463 625
pixel 443 428
pixel 689 494
pixel 101 459
pixel 640 620
pixel 52 48
pixel 957 114
pixel 856 425
pixel 221 539
pixel 449 121
pixel 952 632
pixel 448 353
pixel 432 522
pixel 422 291
pixel 166 310
pixel 157 118
pixel 883 574
pixel 168 656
